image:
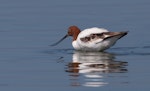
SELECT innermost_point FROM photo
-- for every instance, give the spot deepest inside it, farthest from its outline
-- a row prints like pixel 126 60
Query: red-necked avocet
pixel 92 39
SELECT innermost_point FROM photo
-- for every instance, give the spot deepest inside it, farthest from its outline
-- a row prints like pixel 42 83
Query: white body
pixel 96 45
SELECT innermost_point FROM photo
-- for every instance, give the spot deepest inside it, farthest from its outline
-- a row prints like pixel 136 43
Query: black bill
pixel 59 40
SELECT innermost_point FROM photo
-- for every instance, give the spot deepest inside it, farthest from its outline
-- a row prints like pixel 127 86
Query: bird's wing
pixel 98 37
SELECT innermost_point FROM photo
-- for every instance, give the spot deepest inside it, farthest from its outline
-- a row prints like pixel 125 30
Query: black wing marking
pixel 92 37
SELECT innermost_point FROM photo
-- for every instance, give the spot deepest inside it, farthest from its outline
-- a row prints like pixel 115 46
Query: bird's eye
pixel 69 32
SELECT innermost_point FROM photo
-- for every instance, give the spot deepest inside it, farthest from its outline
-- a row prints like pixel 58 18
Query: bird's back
pixel 90 31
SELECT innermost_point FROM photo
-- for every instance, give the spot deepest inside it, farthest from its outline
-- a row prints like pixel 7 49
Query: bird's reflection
pixel 93 66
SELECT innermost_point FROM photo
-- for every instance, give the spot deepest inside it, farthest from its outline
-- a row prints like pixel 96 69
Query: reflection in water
pixel 93 66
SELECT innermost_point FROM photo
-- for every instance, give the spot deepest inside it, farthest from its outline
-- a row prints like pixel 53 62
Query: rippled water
pixel 27 63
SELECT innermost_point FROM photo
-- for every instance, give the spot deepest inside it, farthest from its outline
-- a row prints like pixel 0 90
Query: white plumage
pixel 95 45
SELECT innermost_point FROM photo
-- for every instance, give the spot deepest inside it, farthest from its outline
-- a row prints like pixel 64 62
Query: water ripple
pixel 143 51
pixel 120 51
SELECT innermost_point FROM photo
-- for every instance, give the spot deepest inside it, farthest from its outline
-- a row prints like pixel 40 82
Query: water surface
pixel 27 63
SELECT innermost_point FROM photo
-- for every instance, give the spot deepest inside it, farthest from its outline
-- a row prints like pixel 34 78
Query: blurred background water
pixel 27 63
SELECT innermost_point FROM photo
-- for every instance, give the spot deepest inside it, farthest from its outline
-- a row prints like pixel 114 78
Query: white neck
pixel 75 45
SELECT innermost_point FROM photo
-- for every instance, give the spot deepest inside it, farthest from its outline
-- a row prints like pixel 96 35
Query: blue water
pixel 27 63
